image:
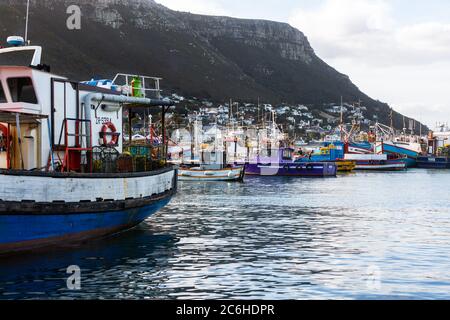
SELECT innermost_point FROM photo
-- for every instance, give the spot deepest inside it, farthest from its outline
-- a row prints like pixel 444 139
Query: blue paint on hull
pixel 322 169
pixel 433 162
pixel 27 230
pixel 411 156
pixel 410 163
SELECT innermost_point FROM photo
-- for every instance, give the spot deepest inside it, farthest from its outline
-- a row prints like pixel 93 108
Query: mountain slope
pixel 209 57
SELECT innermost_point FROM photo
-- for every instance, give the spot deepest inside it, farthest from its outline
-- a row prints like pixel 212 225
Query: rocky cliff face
pixel 211 57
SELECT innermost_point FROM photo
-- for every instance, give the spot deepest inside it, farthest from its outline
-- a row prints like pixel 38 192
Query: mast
pixel 257 121
pixel 231 110
pixel 342 118
pixel 391 116
pixel 26 21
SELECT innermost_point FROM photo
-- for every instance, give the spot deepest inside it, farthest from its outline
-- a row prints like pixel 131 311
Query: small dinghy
pixel 203 173
pixel 212 167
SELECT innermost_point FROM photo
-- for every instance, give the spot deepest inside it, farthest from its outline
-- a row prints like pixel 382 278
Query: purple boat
pixel 280 163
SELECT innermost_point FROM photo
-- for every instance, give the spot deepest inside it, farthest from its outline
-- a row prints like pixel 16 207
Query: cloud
pixel 367 30
pixel 207 7
pixel 406 65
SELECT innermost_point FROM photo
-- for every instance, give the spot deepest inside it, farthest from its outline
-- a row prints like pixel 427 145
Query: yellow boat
pixel 345 166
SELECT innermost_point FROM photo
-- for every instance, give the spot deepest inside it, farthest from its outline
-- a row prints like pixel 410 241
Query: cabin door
pixel 3 146
pixel 25 153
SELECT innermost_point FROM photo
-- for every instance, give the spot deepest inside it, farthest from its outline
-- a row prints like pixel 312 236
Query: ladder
pixel 76 144
pixel 83 143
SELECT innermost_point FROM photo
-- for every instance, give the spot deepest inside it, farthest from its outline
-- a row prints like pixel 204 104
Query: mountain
pixel 216 58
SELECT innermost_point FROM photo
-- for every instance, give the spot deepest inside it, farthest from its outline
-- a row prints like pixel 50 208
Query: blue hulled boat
pixel 26 224
pixel 438 149
pixel 66 173
pixel 406 150
pixel 433 162
pixel 280 163
pixel 330 152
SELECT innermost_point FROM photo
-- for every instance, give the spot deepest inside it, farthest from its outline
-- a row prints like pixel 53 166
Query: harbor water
pixel 357 236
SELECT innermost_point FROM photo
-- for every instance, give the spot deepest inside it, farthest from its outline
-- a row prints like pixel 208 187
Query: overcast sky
pixel 397 51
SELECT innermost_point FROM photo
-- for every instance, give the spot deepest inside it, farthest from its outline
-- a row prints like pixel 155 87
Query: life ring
pixel 114 135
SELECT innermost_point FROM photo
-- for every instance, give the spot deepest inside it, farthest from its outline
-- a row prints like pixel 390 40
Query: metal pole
pixel 164 140
pixel 19 139
pixel 52 159
pixel 130 132
pixel 26 22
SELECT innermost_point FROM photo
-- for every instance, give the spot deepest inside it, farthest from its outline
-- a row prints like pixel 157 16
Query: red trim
pixel 5 131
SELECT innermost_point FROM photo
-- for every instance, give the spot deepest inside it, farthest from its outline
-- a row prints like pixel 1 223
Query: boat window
pixel 22 90
pixel 287 154
pixel 2 94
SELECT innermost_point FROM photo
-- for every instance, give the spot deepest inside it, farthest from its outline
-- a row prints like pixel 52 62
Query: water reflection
pixel 114 267
pixel 366 235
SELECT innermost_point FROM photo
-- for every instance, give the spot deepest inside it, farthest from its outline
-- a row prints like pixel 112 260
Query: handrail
pixel 145 81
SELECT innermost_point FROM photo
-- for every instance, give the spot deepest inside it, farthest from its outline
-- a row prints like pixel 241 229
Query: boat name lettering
pixel 102 120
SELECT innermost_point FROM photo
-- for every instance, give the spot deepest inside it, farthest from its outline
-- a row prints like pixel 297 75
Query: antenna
pixel 26 22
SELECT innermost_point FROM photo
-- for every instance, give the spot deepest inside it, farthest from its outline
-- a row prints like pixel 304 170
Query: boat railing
pixel 138 86
pixel 135 158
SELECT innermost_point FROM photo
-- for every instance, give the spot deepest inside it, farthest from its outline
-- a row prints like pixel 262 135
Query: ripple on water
pixel 362 236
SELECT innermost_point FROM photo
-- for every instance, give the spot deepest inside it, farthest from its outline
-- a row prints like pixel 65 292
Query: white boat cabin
pixel 45 117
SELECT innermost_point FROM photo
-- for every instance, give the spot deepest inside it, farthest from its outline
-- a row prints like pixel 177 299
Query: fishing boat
pixel 280 162
pixel 438 156
pixel 409 151
pixel 407 147
pixel 212 167
pixel 329 152
pixel 67 174
pixel 433 162
pixel 376 162
pixel 208 173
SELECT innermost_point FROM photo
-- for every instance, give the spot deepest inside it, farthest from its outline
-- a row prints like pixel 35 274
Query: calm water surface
pixel 358 236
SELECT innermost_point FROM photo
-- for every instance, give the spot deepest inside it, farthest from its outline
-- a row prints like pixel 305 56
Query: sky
pixel 396 51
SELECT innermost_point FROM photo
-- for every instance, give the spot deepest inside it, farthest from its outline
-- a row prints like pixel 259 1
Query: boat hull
pixel 38 209
pixel 401 149
pixel 232 174
pixel 433 162
pixel 24 232
pixel 397 166
pixel 316 169
pixel 345 166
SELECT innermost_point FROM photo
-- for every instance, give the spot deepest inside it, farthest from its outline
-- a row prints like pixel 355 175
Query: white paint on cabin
pixel 40 148
pixel 43 189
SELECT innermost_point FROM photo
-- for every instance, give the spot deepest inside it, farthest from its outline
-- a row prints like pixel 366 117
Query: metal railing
pixel 135 158
pixel 138 86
